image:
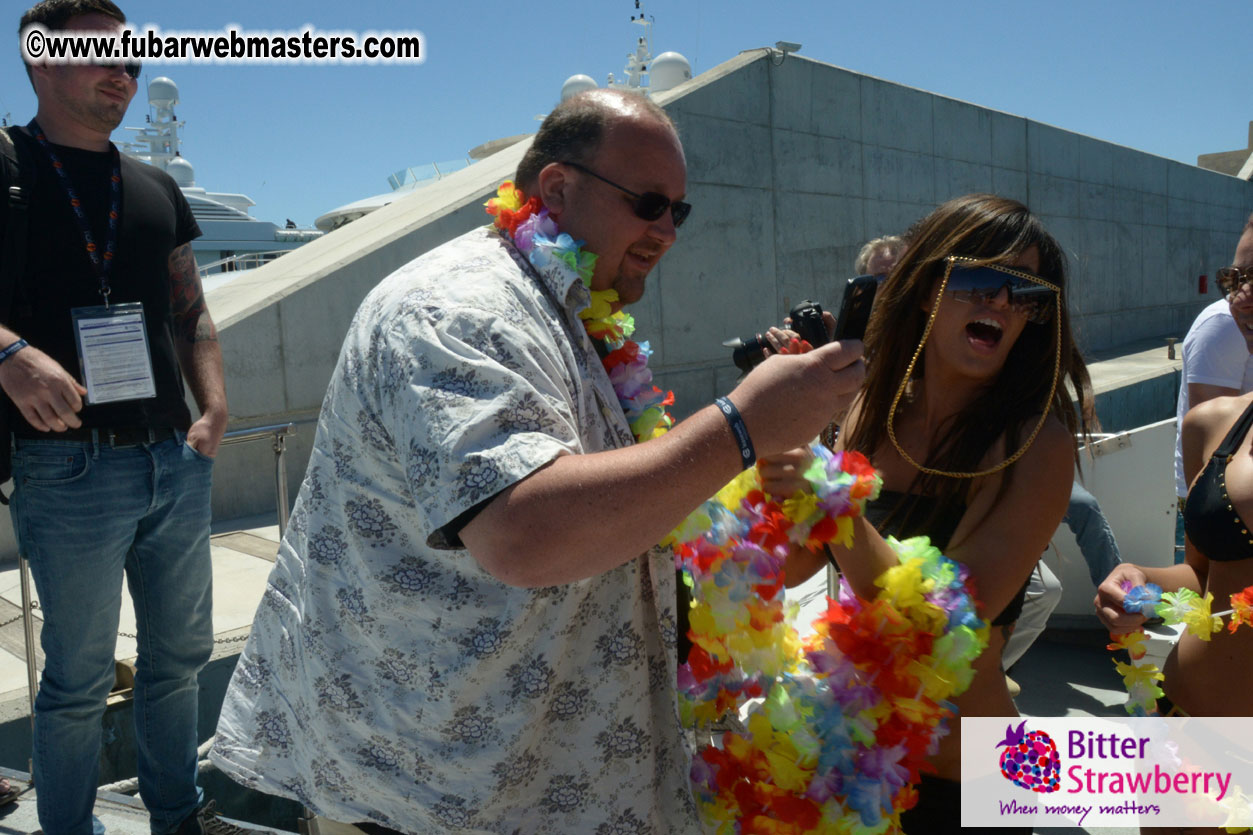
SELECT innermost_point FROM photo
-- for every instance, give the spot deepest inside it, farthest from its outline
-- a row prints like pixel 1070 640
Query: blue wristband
pixel 748 456
pixel 12 349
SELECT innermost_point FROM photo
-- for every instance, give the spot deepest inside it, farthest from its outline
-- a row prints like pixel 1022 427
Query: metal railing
pixel 241 262
pixel 278 433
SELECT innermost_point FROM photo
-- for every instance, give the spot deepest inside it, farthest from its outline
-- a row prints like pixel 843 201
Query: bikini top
pixel 1214 526
pixel 916 521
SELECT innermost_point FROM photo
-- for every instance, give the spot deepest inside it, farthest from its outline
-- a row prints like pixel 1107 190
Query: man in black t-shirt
pixel 111 474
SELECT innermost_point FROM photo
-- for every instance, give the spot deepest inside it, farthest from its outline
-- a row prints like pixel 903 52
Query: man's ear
pixel 38 72
pixel 551 188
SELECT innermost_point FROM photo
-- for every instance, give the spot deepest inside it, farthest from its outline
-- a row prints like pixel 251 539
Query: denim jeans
pixel 85 514
pixel 1092 533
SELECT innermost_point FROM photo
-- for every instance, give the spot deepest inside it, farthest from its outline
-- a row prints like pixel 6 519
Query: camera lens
pixel 749 353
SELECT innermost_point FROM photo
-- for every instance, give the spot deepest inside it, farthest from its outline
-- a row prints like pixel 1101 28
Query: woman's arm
pixel 999 537
pixel 1002 535
pixel 1204 428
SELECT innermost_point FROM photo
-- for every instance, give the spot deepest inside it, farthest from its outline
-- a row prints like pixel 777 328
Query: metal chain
pixel 235 640
pixel 34 604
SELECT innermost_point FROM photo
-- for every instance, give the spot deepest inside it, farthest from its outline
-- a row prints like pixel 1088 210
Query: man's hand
pixel 205 435
pixel 45 393
pixel 1109 597
pixel 788 400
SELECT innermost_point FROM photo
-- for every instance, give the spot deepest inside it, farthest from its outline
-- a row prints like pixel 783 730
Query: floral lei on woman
pixel 848 716
pixel 1184 606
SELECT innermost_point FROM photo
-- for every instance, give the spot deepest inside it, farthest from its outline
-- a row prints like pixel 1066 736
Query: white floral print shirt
pixel 390 678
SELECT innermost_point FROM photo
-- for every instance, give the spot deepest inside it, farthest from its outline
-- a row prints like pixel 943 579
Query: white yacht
pixel 232 239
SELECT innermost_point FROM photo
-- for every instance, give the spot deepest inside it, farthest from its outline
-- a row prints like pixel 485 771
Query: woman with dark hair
pixel 966 415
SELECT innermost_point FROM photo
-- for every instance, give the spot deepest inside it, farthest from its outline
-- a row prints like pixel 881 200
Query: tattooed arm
pixel 199 355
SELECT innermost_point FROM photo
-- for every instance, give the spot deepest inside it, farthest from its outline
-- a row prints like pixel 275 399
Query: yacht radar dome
pixel 182 171
pixel 669 69
pixel 162 93
pixel 576 84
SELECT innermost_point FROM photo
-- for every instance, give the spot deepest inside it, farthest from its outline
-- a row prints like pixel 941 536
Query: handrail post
pixel 28 626
pixel 280 480
pixel 277 434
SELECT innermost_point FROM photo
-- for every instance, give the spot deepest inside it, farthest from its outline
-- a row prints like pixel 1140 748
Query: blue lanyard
pixel 101 261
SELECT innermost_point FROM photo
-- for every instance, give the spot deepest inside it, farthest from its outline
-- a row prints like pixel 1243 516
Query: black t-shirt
pixel 155 219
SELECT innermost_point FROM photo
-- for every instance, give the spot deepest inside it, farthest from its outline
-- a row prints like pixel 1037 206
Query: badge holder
pixel 113 352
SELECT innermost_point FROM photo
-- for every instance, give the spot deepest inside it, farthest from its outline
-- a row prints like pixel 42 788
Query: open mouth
pixel 642 260
pixel 984 333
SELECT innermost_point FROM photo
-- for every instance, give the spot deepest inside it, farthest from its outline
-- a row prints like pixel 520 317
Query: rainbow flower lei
pixel 850 714
pixel 553 252
pixel 1184 606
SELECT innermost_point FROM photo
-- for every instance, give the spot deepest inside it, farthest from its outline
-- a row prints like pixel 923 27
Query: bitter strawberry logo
pixel 1030 759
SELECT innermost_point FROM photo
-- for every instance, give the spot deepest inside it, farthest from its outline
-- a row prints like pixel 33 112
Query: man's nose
pixel 663 228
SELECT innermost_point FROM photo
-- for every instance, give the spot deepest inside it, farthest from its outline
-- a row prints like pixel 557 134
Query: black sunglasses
pixel 133 68
pixel 650 205
pixel 1030 296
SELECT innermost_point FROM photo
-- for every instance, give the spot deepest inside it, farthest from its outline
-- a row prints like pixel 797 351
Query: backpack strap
pixel 15 177
pixel 16 182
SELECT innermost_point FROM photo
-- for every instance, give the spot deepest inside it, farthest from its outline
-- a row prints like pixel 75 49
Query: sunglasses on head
pixel 1232 278
pixel 650 205
pixel 1030 296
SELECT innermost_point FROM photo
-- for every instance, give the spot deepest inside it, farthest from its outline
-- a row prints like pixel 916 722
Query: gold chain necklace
pixel 900 392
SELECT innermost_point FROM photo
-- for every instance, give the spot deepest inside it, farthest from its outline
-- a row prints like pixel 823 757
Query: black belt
pixel 115 437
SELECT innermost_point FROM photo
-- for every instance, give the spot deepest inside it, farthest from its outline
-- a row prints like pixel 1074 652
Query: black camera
pixel 806 320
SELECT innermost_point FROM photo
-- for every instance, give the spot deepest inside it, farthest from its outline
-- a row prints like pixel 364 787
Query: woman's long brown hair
pixel 994 230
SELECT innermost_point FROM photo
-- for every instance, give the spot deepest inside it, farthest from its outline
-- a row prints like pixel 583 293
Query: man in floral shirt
pixel 469 627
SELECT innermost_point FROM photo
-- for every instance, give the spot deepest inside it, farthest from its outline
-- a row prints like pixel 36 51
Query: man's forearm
pixel 584 515
pixel 200 358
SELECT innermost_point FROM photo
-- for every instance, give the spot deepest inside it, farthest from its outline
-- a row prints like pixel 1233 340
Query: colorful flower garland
pixel 850 714
pixel 1184 606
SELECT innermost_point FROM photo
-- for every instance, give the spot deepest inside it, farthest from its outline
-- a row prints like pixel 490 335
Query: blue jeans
pixel 1092 534
pixel 85 513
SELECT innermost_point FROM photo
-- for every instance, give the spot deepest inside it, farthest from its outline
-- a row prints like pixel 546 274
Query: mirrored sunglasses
pixel 1231 278
pixel 650 205
pixel 1030 296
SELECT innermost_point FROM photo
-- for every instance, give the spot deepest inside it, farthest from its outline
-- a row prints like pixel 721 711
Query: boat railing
pixel 277 434
pixel 238 263
pixel 412 176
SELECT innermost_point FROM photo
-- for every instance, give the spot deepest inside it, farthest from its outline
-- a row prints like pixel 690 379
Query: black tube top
pixel 1214 526
pixel 940 530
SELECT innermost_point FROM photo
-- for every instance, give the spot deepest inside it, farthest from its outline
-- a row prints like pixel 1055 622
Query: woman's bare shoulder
pixel 1212 418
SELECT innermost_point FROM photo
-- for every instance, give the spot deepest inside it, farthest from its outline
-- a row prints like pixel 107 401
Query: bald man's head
pixel 574 130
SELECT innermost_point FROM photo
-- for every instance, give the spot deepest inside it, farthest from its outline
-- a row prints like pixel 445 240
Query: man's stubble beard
pixel 99 115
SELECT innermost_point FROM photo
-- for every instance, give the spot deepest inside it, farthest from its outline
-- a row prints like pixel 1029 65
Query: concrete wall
pixel 792 165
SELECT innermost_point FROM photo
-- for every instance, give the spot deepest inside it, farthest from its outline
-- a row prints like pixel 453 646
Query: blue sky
pixel 1164 77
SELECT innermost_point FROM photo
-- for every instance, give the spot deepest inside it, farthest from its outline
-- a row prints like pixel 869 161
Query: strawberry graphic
pixel 1030 759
